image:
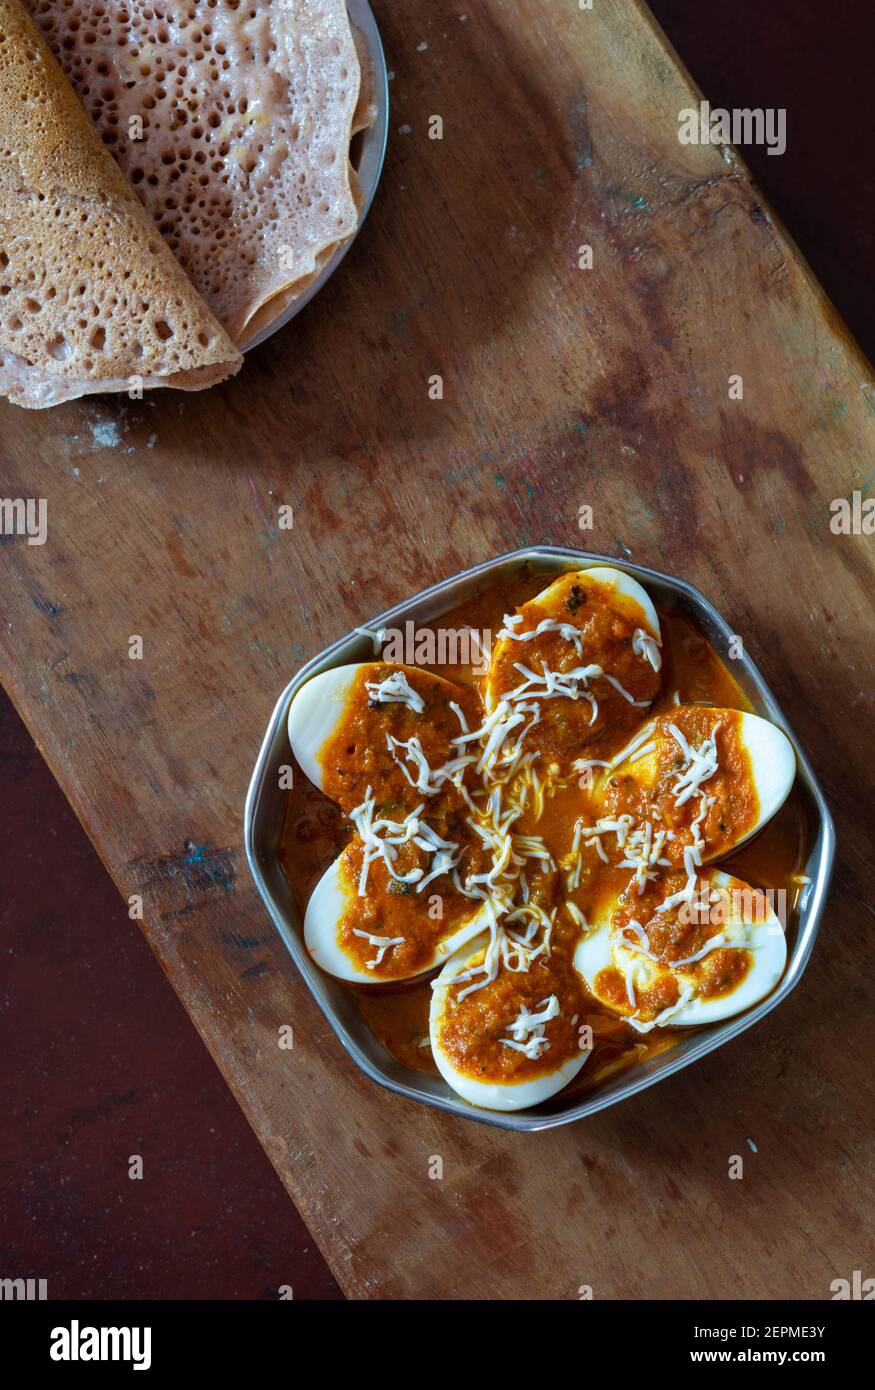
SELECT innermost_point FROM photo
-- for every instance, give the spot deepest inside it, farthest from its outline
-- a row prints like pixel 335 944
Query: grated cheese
pixel 699 763
pixel 634 744
pixel 528 1030
pixel 396 689
pixel 570 685
pixel 567 630
pixel 643 853
pixel 427 779
pixel 662 1018
pixel 576 916
pixel 647 647
pixel 377 636
pixel 383 845
pixel 383 944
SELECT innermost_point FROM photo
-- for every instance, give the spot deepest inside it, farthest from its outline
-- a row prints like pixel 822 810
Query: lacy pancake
pixel 90 296
pixel 233 123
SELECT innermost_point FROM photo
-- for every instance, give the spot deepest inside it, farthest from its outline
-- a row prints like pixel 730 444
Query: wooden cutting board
pixel 562 388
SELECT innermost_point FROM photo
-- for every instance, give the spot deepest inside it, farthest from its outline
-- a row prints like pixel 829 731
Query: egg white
pixel 317 709
pixel 772 767
pixel 332 897
pixel 768 946
pixel 550 600
pixel 630 588
pixel 489 1095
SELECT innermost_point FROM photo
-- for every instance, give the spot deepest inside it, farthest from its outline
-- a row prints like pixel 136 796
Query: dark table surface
pixel 100 1060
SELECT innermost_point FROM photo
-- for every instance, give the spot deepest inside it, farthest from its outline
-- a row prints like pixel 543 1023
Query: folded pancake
pixel 364 116
pixel 233 124
pixel 89 294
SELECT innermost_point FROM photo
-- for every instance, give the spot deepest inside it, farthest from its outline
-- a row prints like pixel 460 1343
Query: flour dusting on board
pixel 105 433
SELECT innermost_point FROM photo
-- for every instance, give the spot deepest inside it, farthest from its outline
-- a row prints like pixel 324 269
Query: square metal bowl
pixel 263 820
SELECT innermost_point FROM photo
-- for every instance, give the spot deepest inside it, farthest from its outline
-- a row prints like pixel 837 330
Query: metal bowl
pixel 263 820
pixel 372 152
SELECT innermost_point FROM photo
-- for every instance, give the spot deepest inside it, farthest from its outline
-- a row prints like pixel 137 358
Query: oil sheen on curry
pixel 538 870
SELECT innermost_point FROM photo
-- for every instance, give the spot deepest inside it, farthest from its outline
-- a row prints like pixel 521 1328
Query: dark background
pixel 99 1060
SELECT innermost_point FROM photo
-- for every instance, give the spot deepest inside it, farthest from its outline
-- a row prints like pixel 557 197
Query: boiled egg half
pixel 560 614
pixel 391 947
pixel 621 972
pixel 532 1028
pixel 713 776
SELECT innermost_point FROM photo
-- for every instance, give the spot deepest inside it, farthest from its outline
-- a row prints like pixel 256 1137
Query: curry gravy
pixel 315 830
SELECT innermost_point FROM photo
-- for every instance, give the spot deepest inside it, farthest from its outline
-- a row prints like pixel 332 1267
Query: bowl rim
pixel 635 1079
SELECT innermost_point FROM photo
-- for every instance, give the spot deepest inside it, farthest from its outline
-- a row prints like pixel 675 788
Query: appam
pixel 368 152
pixel 90 296
pixel 233 124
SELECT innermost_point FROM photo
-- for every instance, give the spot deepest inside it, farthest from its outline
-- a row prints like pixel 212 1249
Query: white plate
pixel 370 164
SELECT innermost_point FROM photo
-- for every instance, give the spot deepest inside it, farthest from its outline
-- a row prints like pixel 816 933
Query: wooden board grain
pixel 562 388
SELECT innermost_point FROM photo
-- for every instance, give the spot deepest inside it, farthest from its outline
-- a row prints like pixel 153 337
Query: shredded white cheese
pixel 549 685
pixel 699 763
pixel 633 746
pixel 382 836
pixel 576 916
pixel 570 685
pixel 528 1030
pixel 383 944
pixel 396 689
pixel 567 630
pixel 426 779
pixel 647 647
pixel 495 757
pixel 377 636
pixel 666 1015
pixel 643 852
